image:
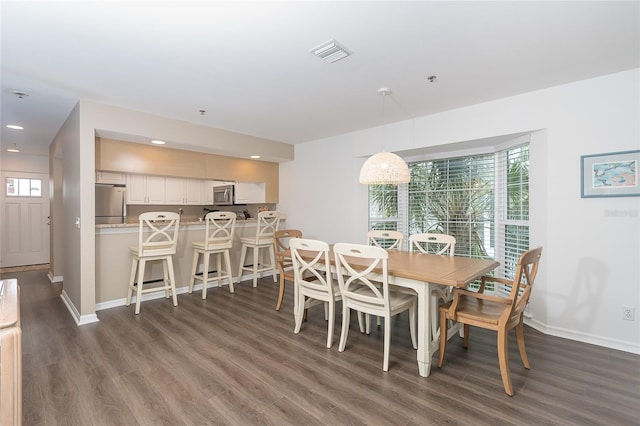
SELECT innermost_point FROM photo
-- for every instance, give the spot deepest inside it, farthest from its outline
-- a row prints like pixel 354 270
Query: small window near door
pixel 17 187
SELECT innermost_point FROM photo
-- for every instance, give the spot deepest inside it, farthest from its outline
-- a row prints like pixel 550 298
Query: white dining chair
pixel 313 281
pixel 219 231
pixel 441 244
pixel 157 241
pixel 362 294
pixel 386 239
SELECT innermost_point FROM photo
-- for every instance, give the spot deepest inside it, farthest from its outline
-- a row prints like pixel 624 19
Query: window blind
pixel 512 205
pixel 482 200
pixel 454 196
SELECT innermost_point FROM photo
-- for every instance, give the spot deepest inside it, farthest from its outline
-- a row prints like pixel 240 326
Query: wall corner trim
pixel 79 319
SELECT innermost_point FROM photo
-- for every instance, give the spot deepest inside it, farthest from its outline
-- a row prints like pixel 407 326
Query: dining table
pixel 423 272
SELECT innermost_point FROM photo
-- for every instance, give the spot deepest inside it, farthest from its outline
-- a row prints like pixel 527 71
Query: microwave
pixel 223 195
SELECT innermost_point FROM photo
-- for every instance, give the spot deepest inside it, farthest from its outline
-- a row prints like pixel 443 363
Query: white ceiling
pixel 248 63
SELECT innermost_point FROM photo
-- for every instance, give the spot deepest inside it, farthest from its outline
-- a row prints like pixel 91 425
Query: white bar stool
pixel 157 240
pixel 219 229
pixel 267 224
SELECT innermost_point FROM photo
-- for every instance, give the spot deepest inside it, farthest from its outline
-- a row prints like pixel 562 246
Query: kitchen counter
pixel 113 259
pixel 133 223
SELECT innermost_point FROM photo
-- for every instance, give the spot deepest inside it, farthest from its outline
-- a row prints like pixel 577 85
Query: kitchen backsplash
pixel 191 212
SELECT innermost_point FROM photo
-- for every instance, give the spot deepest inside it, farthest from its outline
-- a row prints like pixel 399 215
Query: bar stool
pixel 267 224
pixel 157 240
pixel 219 229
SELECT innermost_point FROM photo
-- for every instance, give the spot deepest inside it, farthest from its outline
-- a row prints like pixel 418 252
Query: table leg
pixel 424 330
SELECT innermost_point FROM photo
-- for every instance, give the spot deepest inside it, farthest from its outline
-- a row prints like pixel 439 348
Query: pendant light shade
pixel 384 168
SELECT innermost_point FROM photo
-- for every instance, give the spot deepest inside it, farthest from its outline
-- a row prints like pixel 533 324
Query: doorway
pixel 24 217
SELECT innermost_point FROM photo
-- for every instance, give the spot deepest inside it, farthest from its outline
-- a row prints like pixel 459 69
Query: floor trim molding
pixel 79 319
pixel 584 337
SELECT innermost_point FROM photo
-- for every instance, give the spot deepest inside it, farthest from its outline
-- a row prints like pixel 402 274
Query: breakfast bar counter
pixel 113 259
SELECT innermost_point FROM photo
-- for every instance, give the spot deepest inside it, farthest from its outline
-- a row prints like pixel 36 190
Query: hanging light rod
pixel 384 168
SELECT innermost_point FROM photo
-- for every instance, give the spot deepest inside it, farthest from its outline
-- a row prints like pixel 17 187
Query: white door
pixel 24 217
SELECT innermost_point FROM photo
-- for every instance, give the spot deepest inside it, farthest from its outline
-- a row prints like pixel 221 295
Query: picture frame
pixel 613 174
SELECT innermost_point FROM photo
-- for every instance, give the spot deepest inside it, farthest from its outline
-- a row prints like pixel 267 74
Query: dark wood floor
pixel 233 359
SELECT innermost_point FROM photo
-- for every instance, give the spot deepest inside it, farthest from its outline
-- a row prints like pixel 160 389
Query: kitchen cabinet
pixel 111 178
pixel 183 191
pixel 207 191
pixel 145 189
pixel 250 193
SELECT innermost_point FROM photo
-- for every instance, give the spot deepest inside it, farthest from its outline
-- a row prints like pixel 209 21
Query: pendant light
pixel 384 168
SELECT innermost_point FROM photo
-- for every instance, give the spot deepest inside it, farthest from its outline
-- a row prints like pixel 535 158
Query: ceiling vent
pixel 330 51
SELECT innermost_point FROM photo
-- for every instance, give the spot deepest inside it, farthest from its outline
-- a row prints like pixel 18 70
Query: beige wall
pixel 127 157
pixel 18 162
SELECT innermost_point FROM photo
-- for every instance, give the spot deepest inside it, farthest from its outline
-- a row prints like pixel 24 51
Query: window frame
pixel 19 184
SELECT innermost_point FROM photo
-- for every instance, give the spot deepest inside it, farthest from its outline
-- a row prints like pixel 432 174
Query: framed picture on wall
pixel 614 174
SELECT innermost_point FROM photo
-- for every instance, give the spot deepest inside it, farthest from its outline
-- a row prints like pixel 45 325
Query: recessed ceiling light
pixel 14 127
pixel 255 157
pixel 158 142
pixel 13 150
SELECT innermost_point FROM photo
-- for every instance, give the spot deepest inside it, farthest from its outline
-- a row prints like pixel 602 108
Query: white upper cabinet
pixel 183 191
pixel 207 191
pixel 250 193
pixel 142 189
pixel 145 189
pixel 111 178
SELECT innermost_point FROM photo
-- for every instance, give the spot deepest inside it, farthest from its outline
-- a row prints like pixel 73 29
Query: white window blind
pixel 512 205
pixel 454 196
pixel 383 207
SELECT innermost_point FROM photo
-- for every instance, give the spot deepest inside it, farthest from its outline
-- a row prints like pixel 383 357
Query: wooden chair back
pixel 282 236
pixel 522 283
pixel 281 240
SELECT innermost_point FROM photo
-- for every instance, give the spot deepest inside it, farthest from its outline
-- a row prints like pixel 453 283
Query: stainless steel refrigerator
pixel 110 204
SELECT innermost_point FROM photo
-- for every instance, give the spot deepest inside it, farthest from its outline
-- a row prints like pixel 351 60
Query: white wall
pixel 591 260
pixel 72 162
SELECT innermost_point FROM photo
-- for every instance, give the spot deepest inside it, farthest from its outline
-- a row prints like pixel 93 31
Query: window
pixel 482 200
pixel 17 187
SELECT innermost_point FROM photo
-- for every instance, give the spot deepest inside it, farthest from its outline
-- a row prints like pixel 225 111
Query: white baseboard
pixel 54 279
pixel 79 319
pixel 584 337
pixel 151 296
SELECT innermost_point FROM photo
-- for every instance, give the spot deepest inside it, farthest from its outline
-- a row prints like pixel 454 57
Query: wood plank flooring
pixel 233 360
